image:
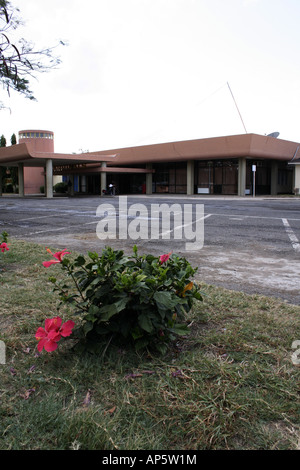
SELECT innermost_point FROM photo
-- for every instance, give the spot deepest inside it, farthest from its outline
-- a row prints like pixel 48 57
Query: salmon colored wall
pixel 33 180
pixel 34 177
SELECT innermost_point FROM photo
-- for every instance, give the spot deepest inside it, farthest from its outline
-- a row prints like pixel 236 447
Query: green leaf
pixel 145 323
pixel 165 300
pixel 94 256
pixel 140 277
pixel 94 310
pixel 79 261
pixel 70 298
pixel 91 318
pixel 141 343
pixel 108 311
pixel 197 296
pixel 161 348
pixel 137 333
pixel 102 290
pixel 88 326
pixel 181 330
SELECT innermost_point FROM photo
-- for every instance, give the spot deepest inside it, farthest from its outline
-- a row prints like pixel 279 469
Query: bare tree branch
pixel 21 61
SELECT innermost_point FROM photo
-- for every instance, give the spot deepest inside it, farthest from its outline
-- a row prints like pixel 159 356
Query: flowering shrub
pixel 4 245
pixel 54 330
pixel 138 299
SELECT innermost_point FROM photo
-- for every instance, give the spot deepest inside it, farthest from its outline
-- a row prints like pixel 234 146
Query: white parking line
pixel 252 217
pixel 294 240
pixel 48 230
pixel 39 217
pixel 61 228
pixel 163 234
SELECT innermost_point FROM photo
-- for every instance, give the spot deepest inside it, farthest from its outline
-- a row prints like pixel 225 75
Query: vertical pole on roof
pixel 21 179
pixel 49 178
pixel 237 108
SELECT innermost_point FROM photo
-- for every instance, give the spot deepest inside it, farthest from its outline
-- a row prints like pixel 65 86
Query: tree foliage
pixel 13 139
pixel 20 61
pixel 2 141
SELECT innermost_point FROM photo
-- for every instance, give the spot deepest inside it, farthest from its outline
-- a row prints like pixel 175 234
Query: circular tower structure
pixel 39 141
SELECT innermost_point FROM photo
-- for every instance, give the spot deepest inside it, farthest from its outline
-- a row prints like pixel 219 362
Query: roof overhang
pixel 252 146
pixel 23 153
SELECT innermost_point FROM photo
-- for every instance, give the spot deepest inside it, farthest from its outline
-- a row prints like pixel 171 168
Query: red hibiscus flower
pixel 4 247
pixel 49 336
pixel 164 258
pixel 58 257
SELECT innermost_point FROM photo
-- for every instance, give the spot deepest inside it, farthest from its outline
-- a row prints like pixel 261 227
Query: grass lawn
pixel 231 384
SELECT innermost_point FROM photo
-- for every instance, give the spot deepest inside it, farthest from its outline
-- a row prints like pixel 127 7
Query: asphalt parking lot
pixel 250 244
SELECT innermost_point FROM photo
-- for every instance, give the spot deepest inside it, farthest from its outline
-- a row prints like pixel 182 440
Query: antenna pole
pixel 237 108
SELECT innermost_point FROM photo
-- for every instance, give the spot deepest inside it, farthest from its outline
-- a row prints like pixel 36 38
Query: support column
pixel 149 179
pixel 242 176
pixel 190 178
pixel 21 179
pixel 103 179
pixel 45 181
pixel 49 178
pixel 274 178
pixel 1 189
pixel 83 184
pixel 296 188
pixel 71 191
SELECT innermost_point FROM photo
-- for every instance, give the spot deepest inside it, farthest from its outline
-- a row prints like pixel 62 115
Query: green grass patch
pixel 230 384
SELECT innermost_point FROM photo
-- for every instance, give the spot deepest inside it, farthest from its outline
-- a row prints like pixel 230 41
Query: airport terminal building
pixel 229 165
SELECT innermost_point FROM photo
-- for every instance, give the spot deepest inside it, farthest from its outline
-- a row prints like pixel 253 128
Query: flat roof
pixel 251 146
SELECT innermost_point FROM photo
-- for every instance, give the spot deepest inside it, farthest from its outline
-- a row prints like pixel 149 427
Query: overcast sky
pixel 139 72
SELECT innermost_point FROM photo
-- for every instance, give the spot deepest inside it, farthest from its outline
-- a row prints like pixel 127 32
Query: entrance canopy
pixel 23 153
pixel 24 156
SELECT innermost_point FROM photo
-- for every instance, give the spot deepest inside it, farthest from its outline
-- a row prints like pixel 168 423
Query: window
pixel 35 135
